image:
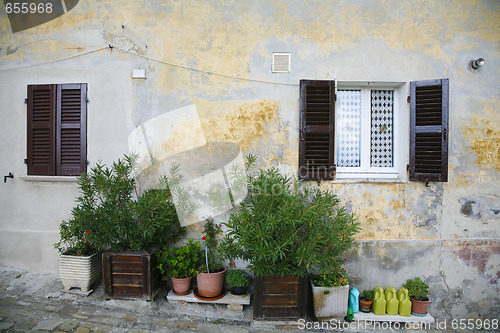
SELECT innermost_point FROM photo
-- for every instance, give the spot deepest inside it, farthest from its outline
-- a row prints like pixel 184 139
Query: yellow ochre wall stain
pixel 483 136
pixel 250 124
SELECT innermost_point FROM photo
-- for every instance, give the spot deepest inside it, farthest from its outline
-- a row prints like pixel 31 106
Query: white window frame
pixel 400 136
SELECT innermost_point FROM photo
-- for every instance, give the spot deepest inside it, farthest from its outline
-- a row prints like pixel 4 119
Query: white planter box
pixel 80 272
pixel 332 304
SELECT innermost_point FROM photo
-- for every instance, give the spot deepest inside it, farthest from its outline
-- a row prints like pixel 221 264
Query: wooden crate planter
pixel 130 275
pixel 279 297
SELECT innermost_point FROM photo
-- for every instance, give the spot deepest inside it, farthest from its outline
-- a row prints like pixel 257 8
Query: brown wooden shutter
pixel 317 125
pixel 41 130
pixel 71 136
pixel 429 130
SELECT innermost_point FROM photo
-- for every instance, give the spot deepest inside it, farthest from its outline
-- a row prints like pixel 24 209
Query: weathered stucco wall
pixel 217 56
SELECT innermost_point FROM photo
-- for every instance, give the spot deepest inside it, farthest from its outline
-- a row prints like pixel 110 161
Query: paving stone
pixel 82 330
pixel 130 318
pixel 27 323
pixel 5 325
pixel 48 324
pixel 185 325
pixel 66 312
pixel 68 325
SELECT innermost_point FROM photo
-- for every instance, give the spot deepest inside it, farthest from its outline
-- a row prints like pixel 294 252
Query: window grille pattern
pixel 382 106
pixel 349 128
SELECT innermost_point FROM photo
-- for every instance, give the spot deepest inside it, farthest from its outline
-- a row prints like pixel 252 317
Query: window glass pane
pixel 382 107
pixel 348 128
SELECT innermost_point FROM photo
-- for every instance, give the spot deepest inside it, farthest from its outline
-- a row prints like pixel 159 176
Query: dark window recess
pixel 317 124
pixel 429 130
pixel 57 129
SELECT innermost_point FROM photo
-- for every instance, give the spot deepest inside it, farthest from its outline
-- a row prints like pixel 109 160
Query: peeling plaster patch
pixel 483 256
pixel 11 49
pixel 469 208
pixel 480 208
pixel 392 211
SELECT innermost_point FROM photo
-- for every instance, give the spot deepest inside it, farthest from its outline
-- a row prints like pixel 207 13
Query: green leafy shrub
pixel 179 262
pixel 284 228
pixel 238 278
pixel 108 216
pixel 417 289
pixel 368 295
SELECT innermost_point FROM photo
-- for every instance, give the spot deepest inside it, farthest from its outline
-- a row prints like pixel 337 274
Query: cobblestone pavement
pixel 35 302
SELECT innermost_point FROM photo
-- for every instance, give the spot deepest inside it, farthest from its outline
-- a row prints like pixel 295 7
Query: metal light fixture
pixel 475 64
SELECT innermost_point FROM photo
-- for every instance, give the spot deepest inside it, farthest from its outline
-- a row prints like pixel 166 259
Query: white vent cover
pixel 281 63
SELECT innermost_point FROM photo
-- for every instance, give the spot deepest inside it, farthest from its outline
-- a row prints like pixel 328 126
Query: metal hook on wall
pixel 10 175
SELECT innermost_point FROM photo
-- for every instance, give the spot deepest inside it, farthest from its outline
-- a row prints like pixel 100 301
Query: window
pixel 365 122
pixel 57 129
pixel 359 131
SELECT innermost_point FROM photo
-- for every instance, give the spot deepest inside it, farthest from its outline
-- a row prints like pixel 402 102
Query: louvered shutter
pixel 429 130
pixel 317 124
pixel 71 136
pixel 41 130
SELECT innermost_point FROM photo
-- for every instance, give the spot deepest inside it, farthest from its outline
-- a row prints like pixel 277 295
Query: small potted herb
pixel 366 300
pixel 239 281
pixel 418 290
pixel 179 264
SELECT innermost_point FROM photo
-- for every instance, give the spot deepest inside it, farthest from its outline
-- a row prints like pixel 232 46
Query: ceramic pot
pixel 365 306
pixel 239 291
pixel 210 284
pixel 330 302
pixel 181 286
pixel 80 271
pixel 419 308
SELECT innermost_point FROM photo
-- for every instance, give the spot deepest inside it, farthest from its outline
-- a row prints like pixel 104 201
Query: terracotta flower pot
pixel 210 284
pixel 419 308
pixel 181 286
pixel 365 306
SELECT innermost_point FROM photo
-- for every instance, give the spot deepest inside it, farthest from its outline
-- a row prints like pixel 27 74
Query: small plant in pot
pixel 330 293
pixel 239 281
pixel 210 278
pixel 179 264
pixel 80 260
pixel 418 291
pixel 366 300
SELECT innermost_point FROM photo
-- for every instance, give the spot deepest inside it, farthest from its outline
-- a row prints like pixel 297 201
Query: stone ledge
pixel 233 302
pixel 361 316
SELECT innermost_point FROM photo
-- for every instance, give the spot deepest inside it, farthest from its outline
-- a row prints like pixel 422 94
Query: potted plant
pixel 129 226
pixel 210 277
pixel 331 293
pixel 79 260
pixel 366 300
pixel 284 230
pixel 180 265
pixel 418 290
pixel 239 281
